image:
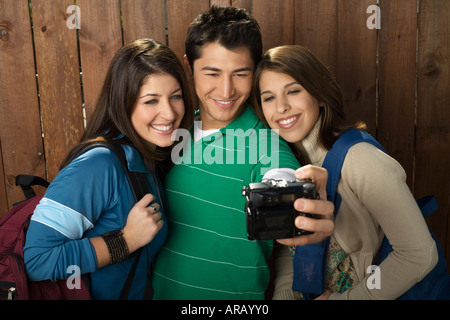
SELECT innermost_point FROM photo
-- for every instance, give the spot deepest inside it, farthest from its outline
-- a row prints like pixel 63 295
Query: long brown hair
pixel 305 68
pixel 111 119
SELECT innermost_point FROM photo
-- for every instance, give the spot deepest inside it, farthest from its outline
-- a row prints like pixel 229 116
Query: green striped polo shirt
pixel 207 254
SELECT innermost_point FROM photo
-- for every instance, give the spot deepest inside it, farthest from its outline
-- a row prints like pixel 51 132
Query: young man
pixel 208 255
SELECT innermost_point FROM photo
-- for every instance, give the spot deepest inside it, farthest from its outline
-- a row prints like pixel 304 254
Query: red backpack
pixel 14 284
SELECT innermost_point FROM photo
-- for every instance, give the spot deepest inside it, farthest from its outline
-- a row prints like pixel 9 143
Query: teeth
pixel 163 128
pixel 224 102
pixel 287 121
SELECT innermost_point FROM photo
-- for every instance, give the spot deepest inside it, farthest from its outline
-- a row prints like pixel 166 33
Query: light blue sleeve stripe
pixel 63 219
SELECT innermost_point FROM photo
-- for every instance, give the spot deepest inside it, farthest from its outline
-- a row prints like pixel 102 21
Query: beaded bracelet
pixel 117 246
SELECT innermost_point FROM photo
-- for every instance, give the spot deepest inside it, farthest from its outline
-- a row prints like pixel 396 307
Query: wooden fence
pixel 391 58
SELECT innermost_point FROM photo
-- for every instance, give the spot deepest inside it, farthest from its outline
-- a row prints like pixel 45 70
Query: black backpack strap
pixel 25 182
pixel 136 180
pixel 140 188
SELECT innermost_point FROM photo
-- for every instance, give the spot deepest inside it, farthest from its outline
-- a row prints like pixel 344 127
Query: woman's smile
pixel 288 122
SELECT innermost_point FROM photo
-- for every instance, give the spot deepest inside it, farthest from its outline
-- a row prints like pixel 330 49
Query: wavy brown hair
pixel 305 68
pixel 111 119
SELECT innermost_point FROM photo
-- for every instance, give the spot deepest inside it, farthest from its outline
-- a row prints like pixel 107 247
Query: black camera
pixel 270 208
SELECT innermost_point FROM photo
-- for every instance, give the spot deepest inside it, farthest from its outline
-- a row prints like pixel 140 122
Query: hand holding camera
pixel 274 209
pixel 270 208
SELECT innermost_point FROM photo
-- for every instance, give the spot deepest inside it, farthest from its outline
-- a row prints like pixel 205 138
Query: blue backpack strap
pixel 428 205
pixel 335 159
pixel 310 260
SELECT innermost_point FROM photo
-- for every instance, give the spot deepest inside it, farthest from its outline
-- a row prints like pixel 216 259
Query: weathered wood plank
pixel 356 68
pixel 144 19
pixel 180 14
pixel 20 128
pixel 276 19
pixel 100 37
pixel 397 81
pixel 245 4
pixel 59 80
pixel 318 34
pixel 432 168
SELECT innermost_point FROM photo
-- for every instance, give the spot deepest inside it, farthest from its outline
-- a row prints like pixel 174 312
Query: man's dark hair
pixel 231 27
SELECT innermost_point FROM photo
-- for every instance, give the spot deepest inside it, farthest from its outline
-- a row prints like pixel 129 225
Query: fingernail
pixel 301 223
pixel 300 204
pixel 299 173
